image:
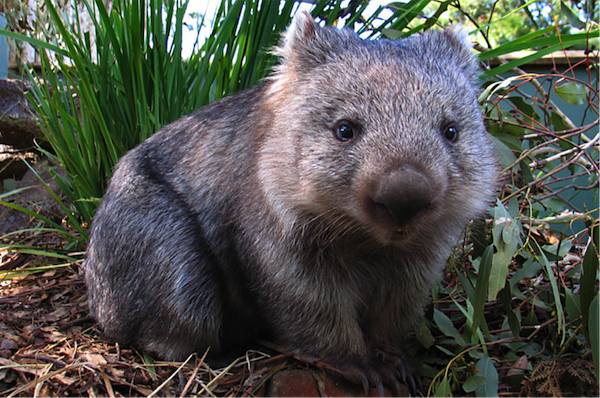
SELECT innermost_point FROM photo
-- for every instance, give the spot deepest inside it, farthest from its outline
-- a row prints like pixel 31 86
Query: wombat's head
pixel 385 137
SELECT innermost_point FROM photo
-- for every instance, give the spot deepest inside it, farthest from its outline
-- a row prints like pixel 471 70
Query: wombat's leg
pixel 151 272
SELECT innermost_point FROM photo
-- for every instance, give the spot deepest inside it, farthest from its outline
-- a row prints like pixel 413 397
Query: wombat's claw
pixel 378 384
pixel 414 385
pixel 365 384
pixel 362 373
pixel 403 367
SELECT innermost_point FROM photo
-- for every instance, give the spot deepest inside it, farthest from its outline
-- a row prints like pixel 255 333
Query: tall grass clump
pixel 100 93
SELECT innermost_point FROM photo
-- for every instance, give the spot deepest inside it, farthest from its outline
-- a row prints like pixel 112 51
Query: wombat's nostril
pixel 402 194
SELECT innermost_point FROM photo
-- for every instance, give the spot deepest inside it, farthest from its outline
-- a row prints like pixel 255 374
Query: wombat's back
pixel 161 257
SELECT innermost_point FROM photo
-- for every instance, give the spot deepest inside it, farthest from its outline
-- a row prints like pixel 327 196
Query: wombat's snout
pixel 401 195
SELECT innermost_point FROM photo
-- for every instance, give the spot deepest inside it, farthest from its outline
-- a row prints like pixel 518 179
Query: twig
pixel 59 364
pixel 41 379
pixel 569 216
pixel 567 187
pixel 193 376
pixel 107 384
pixel 164 383
pixel 582 148
pixel 75 322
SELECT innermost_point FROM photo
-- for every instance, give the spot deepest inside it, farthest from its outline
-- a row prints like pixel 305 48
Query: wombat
pixel 315 209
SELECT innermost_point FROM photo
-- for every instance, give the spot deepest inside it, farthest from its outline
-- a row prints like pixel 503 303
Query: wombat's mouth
pixel 400 218
pixel 399 224
pixel 401 234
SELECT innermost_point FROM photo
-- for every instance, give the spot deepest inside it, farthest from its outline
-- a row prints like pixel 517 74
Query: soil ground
pixel 50 347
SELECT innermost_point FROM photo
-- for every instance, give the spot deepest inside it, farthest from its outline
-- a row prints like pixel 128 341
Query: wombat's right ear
pixel 299 34
pixel 303 44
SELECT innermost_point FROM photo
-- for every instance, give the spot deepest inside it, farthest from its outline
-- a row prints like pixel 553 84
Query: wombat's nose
pixel 402 194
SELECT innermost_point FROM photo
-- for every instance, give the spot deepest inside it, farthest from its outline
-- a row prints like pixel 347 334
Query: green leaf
pixel 443 388
pixel 525 113
pixel 554 44
pixel 560 314
pixel 21 272
pixel 506 234
pixel 588 278
pixel 513 321
pixel 572 306
pixel 34 42
pixel 486 369
pixel 445 325
pixel 571 16
pixel 526 172
pixel 423 333
pixel 445 351
pixel 573 93
pixel 594 319
pixel 505 155
pixel 481 288
pixel 473 382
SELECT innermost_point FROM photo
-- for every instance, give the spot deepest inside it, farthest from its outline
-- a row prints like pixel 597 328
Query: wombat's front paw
pixel 388 367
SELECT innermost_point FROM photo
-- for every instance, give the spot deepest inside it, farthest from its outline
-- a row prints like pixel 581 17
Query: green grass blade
pixel 593 322
pixel 589 278
pixel 481 288
pixel 34 42
pixel 560 313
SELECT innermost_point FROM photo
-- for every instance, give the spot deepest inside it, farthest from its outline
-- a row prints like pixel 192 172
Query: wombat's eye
pixel 345 130
pixel 451 133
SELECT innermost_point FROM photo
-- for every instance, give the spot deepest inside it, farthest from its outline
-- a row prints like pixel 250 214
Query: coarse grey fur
pixel 315 209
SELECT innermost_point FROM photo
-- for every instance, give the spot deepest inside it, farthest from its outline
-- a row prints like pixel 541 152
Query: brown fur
pixel 254 217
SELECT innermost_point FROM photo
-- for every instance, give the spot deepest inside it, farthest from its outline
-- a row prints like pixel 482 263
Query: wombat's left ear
pixel 459 36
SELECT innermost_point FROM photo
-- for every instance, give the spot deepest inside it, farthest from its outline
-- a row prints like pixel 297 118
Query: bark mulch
pixel 50 347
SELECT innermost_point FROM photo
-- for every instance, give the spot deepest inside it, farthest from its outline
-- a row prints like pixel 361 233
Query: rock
pixel 18 129
pixel 11 162
pixel 36 199
pixel 315 383
pixel 18 125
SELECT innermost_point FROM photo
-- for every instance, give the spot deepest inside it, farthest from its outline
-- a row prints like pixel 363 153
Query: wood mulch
pixel 50 347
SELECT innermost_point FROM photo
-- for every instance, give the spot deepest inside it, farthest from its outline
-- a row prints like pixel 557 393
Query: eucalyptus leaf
pixel 573 306
pixel 443 389
pixel 474 382
pixel 589 278
pixel 594 333
pixel 572 92
pixel 556 299
pixel 423 333
pixel 571 16
pixel 506 234
pixel 481 288
pixel 505 155
pixel 445 325
pixel 525 172
pixel 513 320
pixel 486 369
